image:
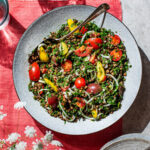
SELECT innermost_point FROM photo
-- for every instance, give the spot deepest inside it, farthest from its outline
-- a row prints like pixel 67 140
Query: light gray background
pixel 136 15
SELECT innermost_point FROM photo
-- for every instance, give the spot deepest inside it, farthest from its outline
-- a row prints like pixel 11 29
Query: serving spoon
pixel 99 10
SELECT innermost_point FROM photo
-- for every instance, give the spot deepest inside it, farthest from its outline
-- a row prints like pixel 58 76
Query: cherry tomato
pixel 94 42
pixel 80 102
pixel 94 88
pixel 83 51
pixel 34 72
pixel 83 30
pixel 116 54
pixel 115 40
pixel 52 101
pixel 92 58
pixel 67 66
pixel 80 82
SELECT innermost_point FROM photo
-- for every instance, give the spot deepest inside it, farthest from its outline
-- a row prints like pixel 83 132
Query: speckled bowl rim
pixel 24 34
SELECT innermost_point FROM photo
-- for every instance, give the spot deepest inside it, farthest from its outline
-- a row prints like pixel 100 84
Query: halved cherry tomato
pixel 67 66
pixel 83 30
pixel 116 54
pixel 80 102
pixel 92 58
pixel 83 51
pixel 94 42
pixel 80 82
pixel 52 101
pixel 115 40
pixel 34 72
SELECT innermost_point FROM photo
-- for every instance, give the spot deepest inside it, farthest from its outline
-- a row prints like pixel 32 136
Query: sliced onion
pixel 104 100
pixel 109 75
pixel 70 90
pixel 106 105
pixel 106 66
pixel 65 94
pixel 40 45
pixel 73 118
pixel 43 90
pixel 46 96
pixel 32 83
pixel 104 56
pixel 85 115
pixel 73 87
pixel 62 70
pixel 63 109
pixel 65 116
pixel 84 35
pixel 41 81
pixel 87 94
pixel 99 114
pixel 93 98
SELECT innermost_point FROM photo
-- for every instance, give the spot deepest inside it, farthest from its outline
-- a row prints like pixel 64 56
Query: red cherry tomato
pixel 94 88
pixel 80 82
pixel 116 54
pixel 34 72
pixel 67 66
pixel 80 102
pixel 83 51
pixel 83 30
pixel 52 101
pixel 115 40
pixel 94 42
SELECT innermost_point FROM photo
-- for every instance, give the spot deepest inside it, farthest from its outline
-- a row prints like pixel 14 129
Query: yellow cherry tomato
pixel 64 48
pixel 72 25
pixel 100 72
pixel 94 113
pixel 43 55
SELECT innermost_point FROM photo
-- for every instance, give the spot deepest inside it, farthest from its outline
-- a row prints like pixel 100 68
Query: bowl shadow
pixel 138 116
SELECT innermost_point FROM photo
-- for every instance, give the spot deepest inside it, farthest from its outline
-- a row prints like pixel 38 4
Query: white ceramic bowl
pixel 49 22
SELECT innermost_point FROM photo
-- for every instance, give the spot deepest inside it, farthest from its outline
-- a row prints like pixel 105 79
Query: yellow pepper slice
pixel 72 25
pixel 43 55
pixel 94 113
pixel 64 48
pixel 53 86
pixel 100 72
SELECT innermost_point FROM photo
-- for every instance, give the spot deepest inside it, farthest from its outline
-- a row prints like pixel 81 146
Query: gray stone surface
pixel 136 15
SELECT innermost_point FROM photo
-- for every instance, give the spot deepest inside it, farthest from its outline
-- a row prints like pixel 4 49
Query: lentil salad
pixel 82 76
